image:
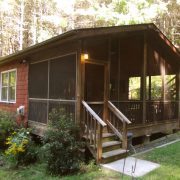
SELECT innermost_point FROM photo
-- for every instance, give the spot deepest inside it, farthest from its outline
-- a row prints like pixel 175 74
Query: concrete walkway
pixel 132 166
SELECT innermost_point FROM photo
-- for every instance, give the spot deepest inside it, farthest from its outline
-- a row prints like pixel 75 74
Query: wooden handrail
pixel 118 113
pixel 93 131
pixel 171 80
pixel 118 123
pixel 89 109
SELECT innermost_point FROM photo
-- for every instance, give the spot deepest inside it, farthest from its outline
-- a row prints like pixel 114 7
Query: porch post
pixel 78 84
pixel 107 82
pixel 144 78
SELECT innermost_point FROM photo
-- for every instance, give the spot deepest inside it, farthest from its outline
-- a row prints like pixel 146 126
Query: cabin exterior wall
pixel 21 87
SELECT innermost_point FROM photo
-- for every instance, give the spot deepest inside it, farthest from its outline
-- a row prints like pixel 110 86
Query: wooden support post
pixel 78 84
pixel 144 78
pixel 124 143
pixel 107 82
pixel 163 73
pixel 99 146
pixel 146 139
pixel 106 91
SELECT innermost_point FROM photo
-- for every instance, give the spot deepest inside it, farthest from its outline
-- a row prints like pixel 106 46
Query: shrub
pixel 62 144
pixel 7 125
pixel 21 148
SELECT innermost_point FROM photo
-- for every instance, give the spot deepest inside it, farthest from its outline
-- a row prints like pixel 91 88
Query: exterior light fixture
pixel 23 61
pixel 84 56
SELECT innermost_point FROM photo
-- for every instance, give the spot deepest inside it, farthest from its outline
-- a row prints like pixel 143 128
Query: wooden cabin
pixel 114 81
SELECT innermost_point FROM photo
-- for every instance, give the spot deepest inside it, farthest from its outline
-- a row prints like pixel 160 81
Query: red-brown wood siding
pixel 21 88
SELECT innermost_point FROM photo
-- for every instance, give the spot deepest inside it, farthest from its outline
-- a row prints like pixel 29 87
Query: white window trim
pixel 8 86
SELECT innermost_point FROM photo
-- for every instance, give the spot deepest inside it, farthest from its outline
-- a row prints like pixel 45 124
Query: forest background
pixel 24 23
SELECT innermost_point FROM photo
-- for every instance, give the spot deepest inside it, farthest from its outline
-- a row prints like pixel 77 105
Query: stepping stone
pixel 132 166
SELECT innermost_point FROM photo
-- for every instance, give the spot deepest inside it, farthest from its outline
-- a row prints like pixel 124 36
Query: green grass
pixel 37 172
pixel 168 157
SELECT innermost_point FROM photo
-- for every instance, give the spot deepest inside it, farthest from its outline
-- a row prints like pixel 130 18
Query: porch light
pixel 84 56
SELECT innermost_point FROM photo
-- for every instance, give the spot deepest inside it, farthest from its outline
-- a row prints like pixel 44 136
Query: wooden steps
pixel 105 146
pixel 113 155
pixel 111 145
pixel 111 148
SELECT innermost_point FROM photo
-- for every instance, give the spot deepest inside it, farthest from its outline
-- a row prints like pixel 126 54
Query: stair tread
pixel 104 135
pixel 113 153
pixel 110 143
pixel 107 135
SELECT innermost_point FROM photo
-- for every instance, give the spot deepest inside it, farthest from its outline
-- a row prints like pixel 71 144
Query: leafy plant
pixel 21 148
pixel 7 125
pixel 62 144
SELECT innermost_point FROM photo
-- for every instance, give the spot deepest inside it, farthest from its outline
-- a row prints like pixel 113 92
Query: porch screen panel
pixel 68 107
pixel 38 92
pixel 161 88
pixel 38 80
pixel 63 78
pixel 130 78
pixel 38 111
pixel 62 84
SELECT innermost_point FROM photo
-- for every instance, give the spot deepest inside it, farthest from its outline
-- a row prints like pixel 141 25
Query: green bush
pixel 7 125
pixel 21 149
pixel 62 144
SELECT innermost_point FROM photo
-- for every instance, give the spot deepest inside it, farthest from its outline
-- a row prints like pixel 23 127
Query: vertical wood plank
pixel 48 92
pixel 106 91
pixel 162 106
pixel 87 118
pixel 149 88
pixel 78 83
pixel 119 68
pixel 91 135
pixel 95 131
pixel 99 148
pixel 107 81
pixel 124 143
pixel 144 78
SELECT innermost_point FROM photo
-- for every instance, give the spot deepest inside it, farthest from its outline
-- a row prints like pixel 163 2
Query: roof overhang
pixel 90 32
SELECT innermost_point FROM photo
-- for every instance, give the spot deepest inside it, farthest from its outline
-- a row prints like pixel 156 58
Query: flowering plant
pixel 18 143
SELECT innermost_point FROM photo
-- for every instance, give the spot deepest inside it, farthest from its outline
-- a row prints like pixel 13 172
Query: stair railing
pixel 118 122
pixel 93 130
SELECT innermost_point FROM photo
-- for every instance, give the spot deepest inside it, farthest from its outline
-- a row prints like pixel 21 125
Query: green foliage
pixel 7 124
pixel 121 7
pixel 62 144
pixel 21 150
pixel 134 88
pixel 90 167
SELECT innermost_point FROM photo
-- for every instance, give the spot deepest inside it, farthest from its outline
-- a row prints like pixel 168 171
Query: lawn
pixel 168 157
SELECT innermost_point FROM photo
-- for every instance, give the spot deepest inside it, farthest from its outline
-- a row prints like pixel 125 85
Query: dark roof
pixel 88 32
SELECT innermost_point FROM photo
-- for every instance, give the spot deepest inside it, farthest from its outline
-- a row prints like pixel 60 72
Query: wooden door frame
pixel 106 82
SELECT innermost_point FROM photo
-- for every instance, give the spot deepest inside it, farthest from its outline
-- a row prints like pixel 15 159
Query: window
pixel 134 88
pixel 8 86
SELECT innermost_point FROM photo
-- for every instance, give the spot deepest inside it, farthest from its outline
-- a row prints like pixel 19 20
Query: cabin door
pixel 95 86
